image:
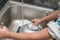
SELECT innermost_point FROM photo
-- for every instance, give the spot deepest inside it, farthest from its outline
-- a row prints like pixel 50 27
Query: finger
pixel 34 24
pixel 5 27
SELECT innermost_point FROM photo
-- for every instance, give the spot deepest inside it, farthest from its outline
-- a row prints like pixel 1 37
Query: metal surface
pixel 12 11
pixel 30 28
pixel 2 3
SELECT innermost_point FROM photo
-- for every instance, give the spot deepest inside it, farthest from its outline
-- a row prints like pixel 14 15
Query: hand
pixel 36 21
pixel 3 32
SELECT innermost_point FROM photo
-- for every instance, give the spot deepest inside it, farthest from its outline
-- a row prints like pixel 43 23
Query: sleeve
pixel 51 33
pixel 54 30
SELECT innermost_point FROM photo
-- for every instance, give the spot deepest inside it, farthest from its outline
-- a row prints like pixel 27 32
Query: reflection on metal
pixel 30 28
pixel 13 11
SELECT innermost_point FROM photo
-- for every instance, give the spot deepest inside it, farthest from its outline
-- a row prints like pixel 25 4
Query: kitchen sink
pixel 14 11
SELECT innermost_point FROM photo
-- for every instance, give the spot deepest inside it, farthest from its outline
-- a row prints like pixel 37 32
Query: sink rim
pixel 14 3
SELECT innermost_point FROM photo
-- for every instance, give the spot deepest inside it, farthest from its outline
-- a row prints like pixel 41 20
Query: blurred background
pixel 45 3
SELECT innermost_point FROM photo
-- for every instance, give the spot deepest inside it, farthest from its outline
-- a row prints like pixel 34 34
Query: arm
pixel 3 32
pixel 52 16
pixel 43 34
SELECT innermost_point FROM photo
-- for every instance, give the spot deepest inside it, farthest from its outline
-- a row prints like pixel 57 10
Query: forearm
pixel 52 16
pixel 43 34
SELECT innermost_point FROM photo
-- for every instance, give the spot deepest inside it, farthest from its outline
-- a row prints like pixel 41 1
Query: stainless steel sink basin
pixel 14 12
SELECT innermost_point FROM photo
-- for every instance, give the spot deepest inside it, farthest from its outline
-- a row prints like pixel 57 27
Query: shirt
pixel 54 30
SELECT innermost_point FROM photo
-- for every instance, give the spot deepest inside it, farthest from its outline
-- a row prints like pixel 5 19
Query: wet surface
pixel 45 3
pixel 2 3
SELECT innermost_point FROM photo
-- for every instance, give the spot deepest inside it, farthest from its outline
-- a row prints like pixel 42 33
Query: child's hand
pixel 36 21
pixel 3 32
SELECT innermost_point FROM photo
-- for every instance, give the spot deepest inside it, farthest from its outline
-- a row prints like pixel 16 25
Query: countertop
pixel 54 4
